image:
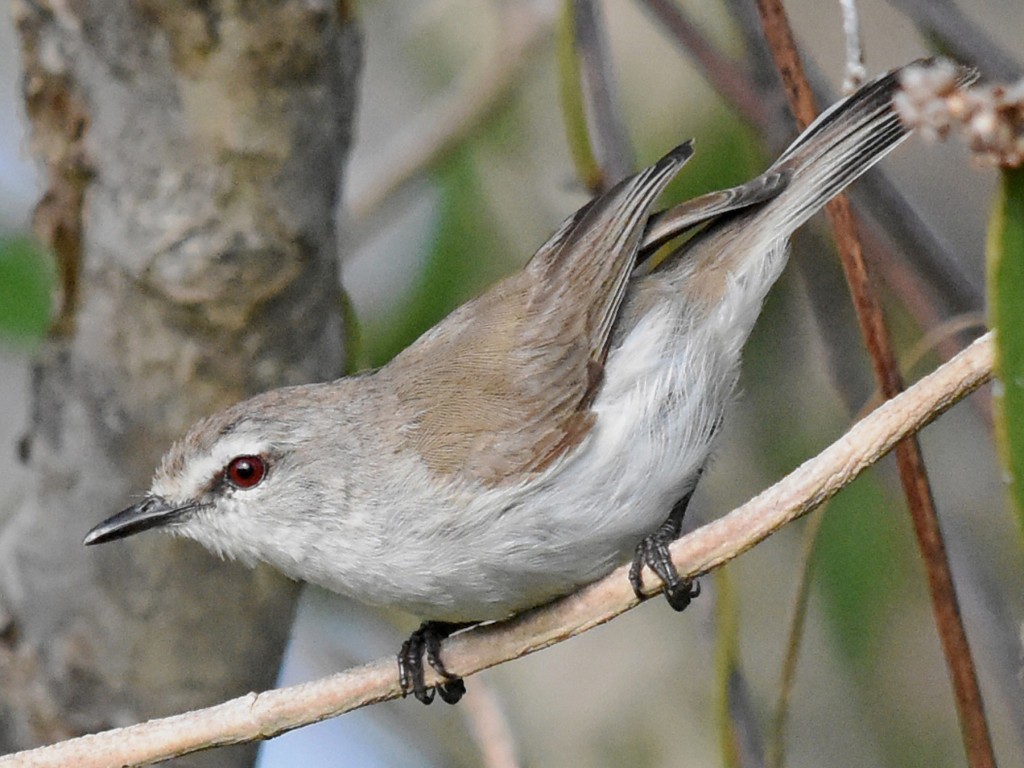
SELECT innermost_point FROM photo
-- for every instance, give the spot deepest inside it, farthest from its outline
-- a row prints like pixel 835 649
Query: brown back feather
pixel 503 386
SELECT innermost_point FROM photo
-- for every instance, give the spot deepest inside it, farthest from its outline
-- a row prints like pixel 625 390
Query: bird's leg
pixel 652 551
pixel 425 642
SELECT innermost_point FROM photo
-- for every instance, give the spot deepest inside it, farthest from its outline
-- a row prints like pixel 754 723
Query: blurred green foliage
pixel 862 553
pixel 464 259
pixel 26 282
pixel 726 153
pixel 1006 315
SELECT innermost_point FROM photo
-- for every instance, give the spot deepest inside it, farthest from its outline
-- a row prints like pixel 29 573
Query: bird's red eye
pixel 245 471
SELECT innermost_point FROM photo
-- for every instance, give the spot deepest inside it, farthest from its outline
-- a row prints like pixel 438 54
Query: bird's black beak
pixel 151 512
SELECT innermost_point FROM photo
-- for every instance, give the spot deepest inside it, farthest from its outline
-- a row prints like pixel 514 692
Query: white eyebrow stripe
pixel 200 472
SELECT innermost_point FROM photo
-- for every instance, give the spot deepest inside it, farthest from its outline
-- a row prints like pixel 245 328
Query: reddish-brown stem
pixel 974 728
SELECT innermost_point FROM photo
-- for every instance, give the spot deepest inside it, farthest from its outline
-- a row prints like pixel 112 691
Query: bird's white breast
pixel 495 551
pixel 457 552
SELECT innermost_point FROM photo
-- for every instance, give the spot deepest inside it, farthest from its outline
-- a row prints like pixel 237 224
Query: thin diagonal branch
pixel 855 72
pixel 739 730
pixel 490 728
pixel 794 640
pixel 916 488
pixel 605 123
pixel 724 75
pixel 960 37
pixel 260 716
pixel 433 135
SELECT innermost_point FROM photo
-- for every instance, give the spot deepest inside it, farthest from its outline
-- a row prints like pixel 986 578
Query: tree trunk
pixel 192 157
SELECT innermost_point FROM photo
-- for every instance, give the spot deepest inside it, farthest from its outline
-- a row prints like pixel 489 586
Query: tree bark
pixel 192 154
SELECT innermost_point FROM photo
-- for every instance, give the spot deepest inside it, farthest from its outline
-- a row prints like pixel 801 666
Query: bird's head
pixel 233 481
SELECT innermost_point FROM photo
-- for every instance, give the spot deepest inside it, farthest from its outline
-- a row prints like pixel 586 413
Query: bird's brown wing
pixel 502 387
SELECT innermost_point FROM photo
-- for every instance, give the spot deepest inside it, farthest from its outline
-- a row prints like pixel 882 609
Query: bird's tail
pixel 843 143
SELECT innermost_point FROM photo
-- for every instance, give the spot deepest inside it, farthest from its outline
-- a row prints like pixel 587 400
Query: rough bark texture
pixel 192 156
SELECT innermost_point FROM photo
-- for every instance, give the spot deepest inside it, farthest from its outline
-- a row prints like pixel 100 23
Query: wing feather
pixel 502 387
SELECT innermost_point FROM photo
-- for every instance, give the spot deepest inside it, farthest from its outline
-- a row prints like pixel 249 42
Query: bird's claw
pixel 652 551
pixel 425 643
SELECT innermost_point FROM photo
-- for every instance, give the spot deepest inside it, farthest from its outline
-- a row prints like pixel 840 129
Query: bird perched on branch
pixel 540 435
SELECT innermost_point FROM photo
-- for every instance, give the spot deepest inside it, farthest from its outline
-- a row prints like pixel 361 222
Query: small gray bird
pixel 541 434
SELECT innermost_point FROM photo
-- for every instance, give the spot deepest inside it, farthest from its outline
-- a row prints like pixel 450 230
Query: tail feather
pixel 860 106
pixel 844 142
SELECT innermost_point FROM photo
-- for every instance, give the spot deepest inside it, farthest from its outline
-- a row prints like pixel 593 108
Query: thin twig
pixel 724 75
pixel 939 335
pixel 855 72
pixel 605 122
pixel 916 488
pixel 261 716
pixel 960 37
pixel 433 135
pixel 489 726
pixel 740 734
pixel 942 333
pixel 777 738
pixel 574 111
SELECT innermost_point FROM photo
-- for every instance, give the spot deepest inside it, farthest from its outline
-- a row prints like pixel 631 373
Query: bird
pixel 543 433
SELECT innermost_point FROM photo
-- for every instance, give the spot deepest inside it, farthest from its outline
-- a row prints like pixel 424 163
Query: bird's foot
pixel 425 643
pixel 652 551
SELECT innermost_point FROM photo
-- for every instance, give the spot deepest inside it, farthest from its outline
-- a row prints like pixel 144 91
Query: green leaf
pixel 1006 315
pixel 25 286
